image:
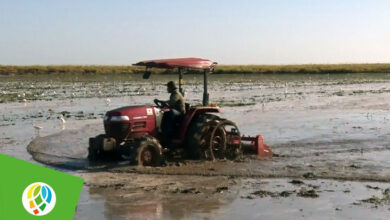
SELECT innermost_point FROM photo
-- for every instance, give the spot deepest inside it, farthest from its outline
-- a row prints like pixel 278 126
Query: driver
pixel 177 110
pixel 176 100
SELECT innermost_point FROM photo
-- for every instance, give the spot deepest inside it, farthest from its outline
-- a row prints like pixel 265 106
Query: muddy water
pixel 333 128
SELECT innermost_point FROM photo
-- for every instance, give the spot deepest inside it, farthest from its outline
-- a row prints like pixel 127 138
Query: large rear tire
pixel 149 151
pixel 198 136
pixel 207 138
pixel 230 149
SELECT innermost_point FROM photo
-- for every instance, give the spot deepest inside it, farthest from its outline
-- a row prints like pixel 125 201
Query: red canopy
pixel 196 63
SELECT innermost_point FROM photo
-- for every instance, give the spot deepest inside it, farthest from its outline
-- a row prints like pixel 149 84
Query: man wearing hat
pixel 176 104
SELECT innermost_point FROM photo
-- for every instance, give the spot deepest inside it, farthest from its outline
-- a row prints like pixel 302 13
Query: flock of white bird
pixel 196 88
pixel 62 120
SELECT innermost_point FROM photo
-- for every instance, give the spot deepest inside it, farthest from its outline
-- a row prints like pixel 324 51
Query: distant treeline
pixel 220 69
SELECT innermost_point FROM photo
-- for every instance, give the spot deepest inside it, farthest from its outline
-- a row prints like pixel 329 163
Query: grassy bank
pixel 220 69
pixel 306 68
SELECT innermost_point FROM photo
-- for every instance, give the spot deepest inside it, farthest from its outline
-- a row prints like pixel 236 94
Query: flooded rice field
pixel 330 133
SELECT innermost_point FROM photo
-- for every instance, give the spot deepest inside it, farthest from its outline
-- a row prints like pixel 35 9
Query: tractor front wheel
pixel 149 151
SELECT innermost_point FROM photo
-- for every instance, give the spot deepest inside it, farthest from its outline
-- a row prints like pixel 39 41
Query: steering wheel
pixel 160 104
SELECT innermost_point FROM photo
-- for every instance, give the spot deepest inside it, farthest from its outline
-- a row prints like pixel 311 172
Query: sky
pixel 122 32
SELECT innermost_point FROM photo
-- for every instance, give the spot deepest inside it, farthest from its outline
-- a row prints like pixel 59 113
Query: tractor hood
pixel 129 113
pixel 133 120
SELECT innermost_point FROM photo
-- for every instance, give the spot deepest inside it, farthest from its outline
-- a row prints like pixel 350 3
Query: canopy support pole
pixel 181 81
pixel 205 93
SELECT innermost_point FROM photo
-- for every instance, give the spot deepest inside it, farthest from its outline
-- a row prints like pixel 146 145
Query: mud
pixel 331 134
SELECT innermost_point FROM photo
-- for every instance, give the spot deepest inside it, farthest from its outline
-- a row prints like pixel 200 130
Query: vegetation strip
pixel 220 69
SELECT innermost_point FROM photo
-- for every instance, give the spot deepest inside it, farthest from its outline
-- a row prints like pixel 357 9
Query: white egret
pixel 37 129
pixel 108 101
pixel 62 122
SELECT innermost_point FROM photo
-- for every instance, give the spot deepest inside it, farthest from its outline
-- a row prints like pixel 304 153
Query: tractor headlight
pixel 119 118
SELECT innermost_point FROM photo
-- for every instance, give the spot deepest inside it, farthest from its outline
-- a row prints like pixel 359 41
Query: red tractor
pixel 135 132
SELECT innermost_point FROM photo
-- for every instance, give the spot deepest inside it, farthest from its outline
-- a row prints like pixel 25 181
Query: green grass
pixel 68 69
pixel 306 68
pixel 220 69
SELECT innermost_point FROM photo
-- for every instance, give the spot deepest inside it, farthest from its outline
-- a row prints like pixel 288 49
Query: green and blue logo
pixel 29 190
pixel 39 199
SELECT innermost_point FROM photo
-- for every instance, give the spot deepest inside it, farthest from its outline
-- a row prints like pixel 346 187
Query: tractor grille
pixel 118 130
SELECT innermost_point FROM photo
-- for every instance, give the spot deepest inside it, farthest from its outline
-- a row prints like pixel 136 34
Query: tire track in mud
pixel 219 168
pixel 307 149
pixel 336 162
pixel 208 168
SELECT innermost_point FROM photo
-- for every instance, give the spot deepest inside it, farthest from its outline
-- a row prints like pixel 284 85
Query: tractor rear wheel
pixel 217 141
pixel 198 136
pixel 208 137
pixel 231 149
pixel 149 151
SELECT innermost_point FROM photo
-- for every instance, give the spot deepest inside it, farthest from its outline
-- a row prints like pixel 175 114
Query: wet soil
pixel 331 134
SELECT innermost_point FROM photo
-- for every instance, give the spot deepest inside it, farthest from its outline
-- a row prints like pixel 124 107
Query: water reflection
pixel 120 204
